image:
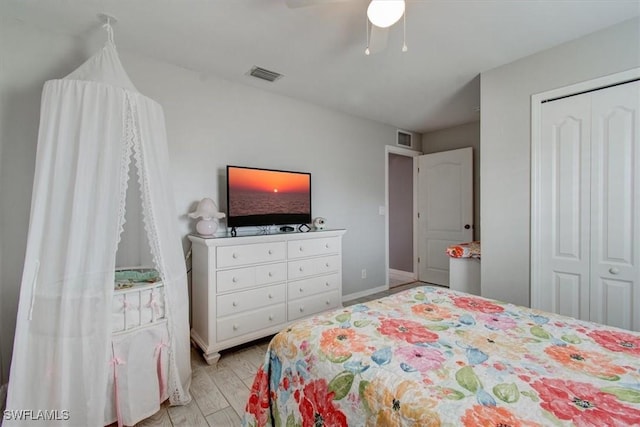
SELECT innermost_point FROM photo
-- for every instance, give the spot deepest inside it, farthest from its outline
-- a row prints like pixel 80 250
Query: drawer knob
pixel 301 269
pixel 301 249
pixel 327 302
pixel 235 327
pixel 326 284
pixel 270 296
pixel 234 255
pixel 270 274
pixel 270 252
pixel 235 304
pixel 326 265
pixel 301 309
pixel 271 317
pixel 614 270
pixel 301 290
pixel 326 246
pixel 234 279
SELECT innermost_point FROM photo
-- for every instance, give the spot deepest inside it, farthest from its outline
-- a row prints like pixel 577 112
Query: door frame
pixel 536 145
pixel 390 149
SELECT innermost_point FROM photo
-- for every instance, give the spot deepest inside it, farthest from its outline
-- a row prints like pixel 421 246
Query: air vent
pixel 264 74
pixel 404 139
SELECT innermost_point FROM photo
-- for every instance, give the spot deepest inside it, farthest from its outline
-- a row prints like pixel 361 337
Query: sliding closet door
pixel 615 206
pixel 565 204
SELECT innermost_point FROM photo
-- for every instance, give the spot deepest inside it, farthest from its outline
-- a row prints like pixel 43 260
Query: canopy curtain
pixel 92 123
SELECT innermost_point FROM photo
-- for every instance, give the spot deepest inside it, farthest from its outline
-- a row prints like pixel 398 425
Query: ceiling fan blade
pixel 378 39
pixel 293 4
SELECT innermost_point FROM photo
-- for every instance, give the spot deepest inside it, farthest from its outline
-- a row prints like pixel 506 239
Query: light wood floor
pixel 219 393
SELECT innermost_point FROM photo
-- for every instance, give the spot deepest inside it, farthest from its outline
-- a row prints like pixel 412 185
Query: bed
pixel 430 356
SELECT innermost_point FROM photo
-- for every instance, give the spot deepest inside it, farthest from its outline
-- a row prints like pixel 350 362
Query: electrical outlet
pixel 364 273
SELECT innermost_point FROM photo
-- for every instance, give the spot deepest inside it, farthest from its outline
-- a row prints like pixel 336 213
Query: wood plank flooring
pixel 220 392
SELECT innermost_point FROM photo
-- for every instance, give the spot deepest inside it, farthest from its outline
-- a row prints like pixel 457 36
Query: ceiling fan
pixel 381 15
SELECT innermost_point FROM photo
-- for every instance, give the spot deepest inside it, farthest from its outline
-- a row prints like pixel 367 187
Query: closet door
pixel 615 206
pixel 588 206
pixel 563 285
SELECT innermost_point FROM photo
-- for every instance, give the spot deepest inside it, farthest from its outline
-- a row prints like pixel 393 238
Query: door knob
pixel 467 226
pixel 614 270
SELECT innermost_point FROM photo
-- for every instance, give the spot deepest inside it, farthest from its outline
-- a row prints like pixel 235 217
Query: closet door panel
pixel 614 303
pixel 564 269
pixel 566 293
pixel 615 206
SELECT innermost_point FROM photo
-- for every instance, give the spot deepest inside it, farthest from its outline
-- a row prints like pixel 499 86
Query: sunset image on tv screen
pixel 260 192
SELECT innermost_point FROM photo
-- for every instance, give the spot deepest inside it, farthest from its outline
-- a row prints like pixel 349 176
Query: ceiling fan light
pixel 385 13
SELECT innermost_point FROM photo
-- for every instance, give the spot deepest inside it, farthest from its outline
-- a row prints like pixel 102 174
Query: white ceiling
pixel 320 50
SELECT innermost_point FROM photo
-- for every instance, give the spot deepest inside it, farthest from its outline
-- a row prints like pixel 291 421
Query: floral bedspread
pixel 430 356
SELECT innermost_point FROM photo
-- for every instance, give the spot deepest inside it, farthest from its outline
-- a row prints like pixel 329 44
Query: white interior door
pixel 564 206
pixel 445 210
pixel 615 206
pixel 588 206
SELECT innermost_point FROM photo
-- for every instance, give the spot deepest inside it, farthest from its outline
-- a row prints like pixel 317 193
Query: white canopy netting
pixel 94 128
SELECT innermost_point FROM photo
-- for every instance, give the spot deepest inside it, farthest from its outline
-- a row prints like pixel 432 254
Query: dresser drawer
pixel 238 302
pixel 271 273
pixel 313 266
pixel 313 247
pixel 313 286
pixel 232 256
pixel 236 279
pixel 311 305
pixel 262 318
pixel 248 277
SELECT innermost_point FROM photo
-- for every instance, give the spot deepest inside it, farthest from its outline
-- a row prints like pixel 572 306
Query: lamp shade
pixel 207 209
pixel 385 13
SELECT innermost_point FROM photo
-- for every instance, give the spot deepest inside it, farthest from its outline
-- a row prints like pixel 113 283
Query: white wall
pixel 461 136
pixel 210 123
pixel 506 139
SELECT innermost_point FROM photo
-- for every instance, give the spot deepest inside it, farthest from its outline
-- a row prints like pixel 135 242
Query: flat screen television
pixel 260 197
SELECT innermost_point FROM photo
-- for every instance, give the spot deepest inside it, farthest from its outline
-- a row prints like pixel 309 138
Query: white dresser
pixel 248 287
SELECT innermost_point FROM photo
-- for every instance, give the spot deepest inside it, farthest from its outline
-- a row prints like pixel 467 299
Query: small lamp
pixel 209 214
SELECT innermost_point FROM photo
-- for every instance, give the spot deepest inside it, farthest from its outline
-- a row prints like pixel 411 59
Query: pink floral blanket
pixel 429 357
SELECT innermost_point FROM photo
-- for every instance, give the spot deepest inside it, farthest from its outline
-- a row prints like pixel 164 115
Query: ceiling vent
pixel 264 74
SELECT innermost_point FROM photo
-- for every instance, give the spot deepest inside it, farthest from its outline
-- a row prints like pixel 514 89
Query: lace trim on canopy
pixel 177 396
pixel 125 162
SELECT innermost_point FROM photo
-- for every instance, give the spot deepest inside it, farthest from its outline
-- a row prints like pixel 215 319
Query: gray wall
pixel 462 136
pixel 506 141
pixel 210 123
pixel 401 212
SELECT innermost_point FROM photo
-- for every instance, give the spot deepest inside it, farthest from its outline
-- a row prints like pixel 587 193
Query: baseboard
pixel 366 293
